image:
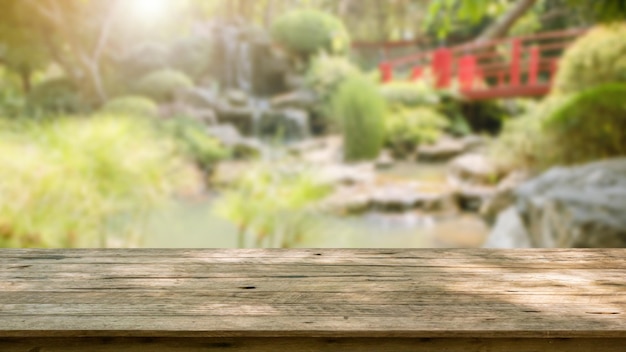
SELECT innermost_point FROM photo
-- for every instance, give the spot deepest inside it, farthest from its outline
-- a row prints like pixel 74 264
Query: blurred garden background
pixel 304 123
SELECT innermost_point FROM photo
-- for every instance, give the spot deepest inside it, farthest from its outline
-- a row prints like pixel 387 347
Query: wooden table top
pixel 321 293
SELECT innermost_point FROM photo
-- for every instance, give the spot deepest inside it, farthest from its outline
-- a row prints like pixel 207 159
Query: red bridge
pixel 506 68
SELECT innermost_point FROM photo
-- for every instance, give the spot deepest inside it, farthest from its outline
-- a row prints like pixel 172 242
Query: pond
pixel 192 224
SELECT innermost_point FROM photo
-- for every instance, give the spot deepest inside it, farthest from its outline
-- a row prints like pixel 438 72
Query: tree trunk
pixel 502 26
pixel 26 82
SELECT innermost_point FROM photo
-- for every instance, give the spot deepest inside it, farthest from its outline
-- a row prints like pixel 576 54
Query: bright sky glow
pixel 148 10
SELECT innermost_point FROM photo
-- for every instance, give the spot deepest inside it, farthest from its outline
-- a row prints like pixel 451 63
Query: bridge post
pixel 533 69
pixel 386 72
pixel 417 73
pixel 516 54
pixel 442 67
pixel 467 71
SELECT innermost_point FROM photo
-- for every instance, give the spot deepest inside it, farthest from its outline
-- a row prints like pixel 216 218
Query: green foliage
pixel 68 182
pixel 410 94
pixel 58 96
pixel 408 128
pixel 360 109
pixel 131 105
pixel 273 203
pixel 590 125
pixel 192 140
pixel 326 74
pixel 192 55
pixel 524 143
pixel 309 32
pixel 162 85
pixel 597 58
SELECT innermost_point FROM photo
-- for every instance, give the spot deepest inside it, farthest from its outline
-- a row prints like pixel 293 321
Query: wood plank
pixel 339 294
pixel 310 345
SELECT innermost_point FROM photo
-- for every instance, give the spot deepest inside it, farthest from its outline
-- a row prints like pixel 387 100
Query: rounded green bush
pixel 326 73
pixel 590 125
pixel 162 85
pixel 55 96
pixel 597 58
pixel 308 32
pixel 409 94
pixel 360 109
pixel 131 105
pixel 408 128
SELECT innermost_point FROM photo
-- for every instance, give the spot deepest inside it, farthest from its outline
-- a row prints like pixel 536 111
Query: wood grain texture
pixel 266 300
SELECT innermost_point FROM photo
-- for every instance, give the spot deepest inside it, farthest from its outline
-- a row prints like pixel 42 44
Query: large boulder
pixel 578 207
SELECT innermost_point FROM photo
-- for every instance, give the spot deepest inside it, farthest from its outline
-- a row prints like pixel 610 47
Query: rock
pixel 241 117
pixel 443 150
pixel 198 97
pixel 385 160
pixel 348 200
pixel 237 98
pixel 288 124
pixel 301 99
pixel 295 81
pixel 338 174
pixel 504 196
pixel 509 232
pixel 229 136
pixel 578 207
pixel 472 169
pixel 206 116
pixel 228 172
pixel 473 143
pixel 401 197
pixel 471 198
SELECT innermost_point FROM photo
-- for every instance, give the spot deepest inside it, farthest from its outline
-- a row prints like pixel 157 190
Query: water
pixel 192 224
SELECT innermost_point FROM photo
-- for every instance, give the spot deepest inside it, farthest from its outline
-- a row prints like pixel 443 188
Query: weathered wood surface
pixel 312 300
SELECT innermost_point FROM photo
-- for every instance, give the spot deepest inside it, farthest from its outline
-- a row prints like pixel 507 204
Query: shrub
pixel 410 94
pixel 590 125
pixel 524 142
pixel 327 73
pixel 71 182
pixel 192 55
pixel 57 96
pixel 273 203
pixel 309 32
pixel 597 58
pixel 163 85
pixel 192 140
pixel 360 109
pixel 131 105
pixel 408 128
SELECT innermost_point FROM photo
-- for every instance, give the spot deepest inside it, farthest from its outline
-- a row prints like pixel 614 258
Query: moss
pixel 597 58
pixel 590 125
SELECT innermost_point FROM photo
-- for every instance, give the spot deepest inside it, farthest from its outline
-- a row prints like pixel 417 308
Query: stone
pixel 205 116
pixel 577 207
pixel 509 232
pixel 472 198
pixel 385 160
pixel 405 196
pixel 301 99
pixel 503 197
pixel 241 117
pixel 237 98
pixel 348 200
pixel 198 97
pixel 229 136
pixel 472 169
pixel 347 175
pixel 445 149
pixel 228 172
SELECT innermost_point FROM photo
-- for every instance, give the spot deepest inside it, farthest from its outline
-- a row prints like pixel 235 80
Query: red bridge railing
pixel 506 68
